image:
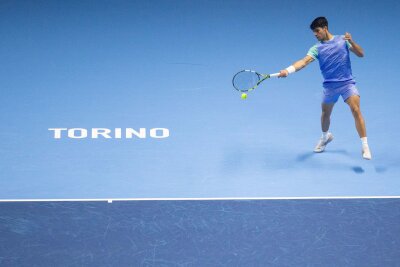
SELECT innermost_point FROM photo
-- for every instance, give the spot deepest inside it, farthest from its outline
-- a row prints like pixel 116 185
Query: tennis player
pixel 332 53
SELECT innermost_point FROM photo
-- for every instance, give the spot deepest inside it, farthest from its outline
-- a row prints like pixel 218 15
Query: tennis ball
pixel 244 96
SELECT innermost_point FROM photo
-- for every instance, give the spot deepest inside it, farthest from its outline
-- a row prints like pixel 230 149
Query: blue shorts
pixel 333 91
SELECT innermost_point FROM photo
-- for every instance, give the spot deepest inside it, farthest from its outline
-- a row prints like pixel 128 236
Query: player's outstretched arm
pixel 298 65
pixel 355 48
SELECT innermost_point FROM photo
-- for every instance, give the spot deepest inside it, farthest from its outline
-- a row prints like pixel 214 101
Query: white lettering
pixel 95 133
pixel 164 133
pixel 101 131
pixel 72 133
pixel 118 133
pixel 57 132
pixel 129 132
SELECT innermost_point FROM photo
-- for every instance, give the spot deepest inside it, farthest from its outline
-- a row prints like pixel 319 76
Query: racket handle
pixel 274 75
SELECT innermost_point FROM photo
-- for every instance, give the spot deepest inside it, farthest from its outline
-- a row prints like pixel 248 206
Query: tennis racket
pixel 248 80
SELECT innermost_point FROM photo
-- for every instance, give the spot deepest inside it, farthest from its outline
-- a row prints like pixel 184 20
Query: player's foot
pixel 366 153
pixel 320 147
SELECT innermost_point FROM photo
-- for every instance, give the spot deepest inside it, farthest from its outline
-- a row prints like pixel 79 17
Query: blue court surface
pixel 202 233
pixel 123 142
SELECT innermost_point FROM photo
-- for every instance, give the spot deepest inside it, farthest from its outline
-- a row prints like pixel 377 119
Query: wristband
pixel 291 69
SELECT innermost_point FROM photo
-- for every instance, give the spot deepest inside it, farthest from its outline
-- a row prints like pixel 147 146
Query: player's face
pixel 321 33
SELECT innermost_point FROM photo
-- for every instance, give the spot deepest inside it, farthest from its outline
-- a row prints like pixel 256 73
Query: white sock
pixel 325 135
pixel 364 141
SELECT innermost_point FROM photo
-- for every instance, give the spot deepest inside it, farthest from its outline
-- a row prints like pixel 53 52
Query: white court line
pixel 195 199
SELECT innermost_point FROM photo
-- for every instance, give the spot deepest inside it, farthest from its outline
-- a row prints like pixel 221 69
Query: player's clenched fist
pixel 283 74
pixel 347 37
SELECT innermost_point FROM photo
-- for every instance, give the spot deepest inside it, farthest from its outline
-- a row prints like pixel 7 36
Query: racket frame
pixel 261 78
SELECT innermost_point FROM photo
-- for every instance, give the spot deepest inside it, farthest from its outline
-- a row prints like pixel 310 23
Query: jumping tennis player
pixel 332 53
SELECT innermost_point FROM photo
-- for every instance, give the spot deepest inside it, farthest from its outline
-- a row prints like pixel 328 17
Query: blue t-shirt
pixel 334 60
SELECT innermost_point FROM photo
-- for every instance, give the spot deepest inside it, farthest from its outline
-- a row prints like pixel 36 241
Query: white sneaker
pixel 366 153
pixel 320 147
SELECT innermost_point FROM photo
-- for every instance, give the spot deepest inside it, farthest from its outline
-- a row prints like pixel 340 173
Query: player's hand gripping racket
pixel 247 80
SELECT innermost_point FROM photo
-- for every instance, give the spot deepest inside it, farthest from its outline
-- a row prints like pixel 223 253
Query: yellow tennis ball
pixel 244 96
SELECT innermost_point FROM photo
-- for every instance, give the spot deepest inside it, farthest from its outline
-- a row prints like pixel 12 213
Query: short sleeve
pixel 348 44
pixel 313 52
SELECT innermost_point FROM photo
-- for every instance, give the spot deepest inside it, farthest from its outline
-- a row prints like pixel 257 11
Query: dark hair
pixel 319 22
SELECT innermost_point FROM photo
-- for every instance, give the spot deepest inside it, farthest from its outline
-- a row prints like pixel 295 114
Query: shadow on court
pixel 305 156
pixel 358 169
pixel 238 159
pixel 380 169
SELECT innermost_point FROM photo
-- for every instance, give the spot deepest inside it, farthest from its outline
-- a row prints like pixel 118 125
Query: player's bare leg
pixel 325 123
pixel 354 104
pixel 326 116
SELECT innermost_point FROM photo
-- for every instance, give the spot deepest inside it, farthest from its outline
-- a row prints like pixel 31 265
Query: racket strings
pixel 246 80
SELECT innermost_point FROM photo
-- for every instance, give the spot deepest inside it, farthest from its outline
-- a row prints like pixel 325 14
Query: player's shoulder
pixel 316 46
pixel 313 51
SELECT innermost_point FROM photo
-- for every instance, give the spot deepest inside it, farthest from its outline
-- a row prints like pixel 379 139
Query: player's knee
pixel 326 114
pixel 355 109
